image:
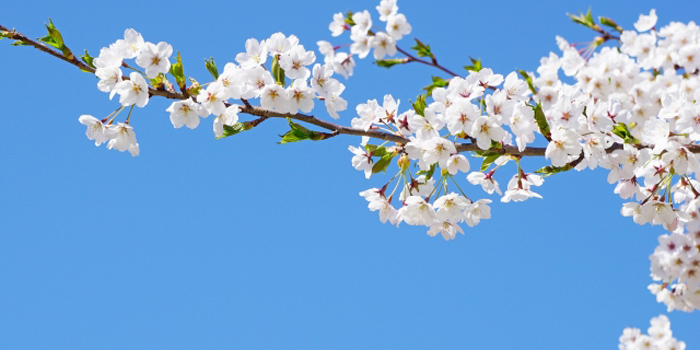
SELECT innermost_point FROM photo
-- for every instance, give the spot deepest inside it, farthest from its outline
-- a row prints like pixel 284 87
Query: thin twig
pixel 432 63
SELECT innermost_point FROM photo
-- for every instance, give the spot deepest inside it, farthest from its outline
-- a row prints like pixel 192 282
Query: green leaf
pixel 528 80
pixel 488 155
pixel 348 19
pixel 420 105
pixel 54 37
pixel 541 120
pixel 476 65
pixel 233 130
pixel 610 23
pixel 621 130
pixel 584 20
pixel 375 150
pixel 211 67
pixel 551 170
pixel 159 81
pixel 422 50
pixel 437 82
pixel 19 43
pixel 88 59
pixel 388 63
pixel 382 163
pixel 278 72
pixel 430 172
pixel 4 35
pixel 177 71
pixel 484 154
pixel 298 133
pixel 488 160
pixel 194 88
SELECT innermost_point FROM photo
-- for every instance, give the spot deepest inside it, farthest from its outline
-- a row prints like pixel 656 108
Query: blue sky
pixel 246 244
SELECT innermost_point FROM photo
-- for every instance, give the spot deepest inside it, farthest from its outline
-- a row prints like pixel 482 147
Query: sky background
pixel 242 243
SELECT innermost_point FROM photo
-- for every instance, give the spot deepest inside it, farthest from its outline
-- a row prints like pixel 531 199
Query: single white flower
pixel 477 211
pixel 646 22
pixel 229 117
pixel 363 22
pixel 301 97
pixel 125 139
pixel 212 98
pixel 186 112
pixel 448 230
pixel 131 45
pixel 387 8
pixel 383 45
pixel 155 59
pixel 485 130
pixel 274 97
pixel 362 160
pixel 295 62
pixel 397 26
pixel 255 55
pixel 96 130
pixel 337 27
pixel 133 91
pixel 563 146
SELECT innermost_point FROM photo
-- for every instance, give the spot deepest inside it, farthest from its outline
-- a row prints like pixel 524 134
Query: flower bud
pixel 404 162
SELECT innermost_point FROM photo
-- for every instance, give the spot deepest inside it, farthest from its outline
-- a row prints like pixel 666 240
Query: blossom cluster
pixel 659 337
pixel 634 111
pixel 154 59
pixel 364 38
pixel 248 79
pixel 676 264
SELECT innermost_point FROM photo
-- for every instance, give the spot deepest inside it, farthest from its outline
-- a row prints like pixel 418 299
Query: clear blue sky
pixel 246 244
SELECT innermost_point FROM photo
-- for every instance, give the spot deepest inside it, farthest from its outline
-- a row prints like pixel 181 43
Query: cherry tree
pixel 628 102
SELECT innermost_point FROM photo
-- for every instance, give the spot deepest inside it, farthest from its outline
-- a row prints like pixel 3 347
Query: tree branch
pixel 432 63
pixel 335 129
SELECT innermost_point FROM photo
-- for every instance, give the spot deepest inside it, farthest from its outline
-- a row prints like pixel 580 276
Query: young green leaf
pixel 541 120
pixel 177 71
pixel 233 130
pixel 88 59
pixel 211 67
pixel 420 105
pixel 388 63
pixel 621 130
pixel 278 72
pixel 528 80
pixel 610 23
pixel 194 88
pixel 422 50
pixel 430 172
pixel 551 170
pixel 159 81
pixel 348 19
pixel 383 163
pixel 375 150
pixel 298 133
pixel 476 65
pixel 437 82
pixel 54 38
pixel 488 160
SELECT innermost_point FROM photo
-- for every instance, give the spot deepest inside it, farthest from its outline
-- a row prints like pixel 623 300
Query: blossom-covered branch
pixel 633 110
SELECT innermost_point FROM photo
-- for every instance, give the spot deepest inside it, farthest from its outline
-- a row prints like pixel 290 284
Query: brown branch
pixel 335 129
pixel 432 63
pixel 21 37
pixel 76 62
